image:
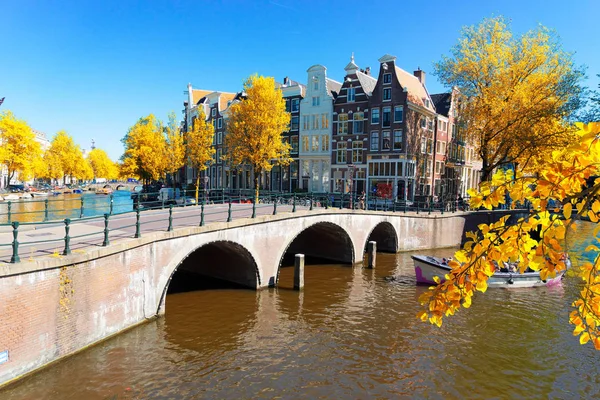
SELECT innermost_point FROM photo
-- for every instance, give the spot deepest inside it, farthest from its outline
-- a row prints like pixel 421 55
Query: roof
pixel 442 103
pixel 416 90
pixel 198 94
pixel 333 87
pixel 224 99
pixel 367 82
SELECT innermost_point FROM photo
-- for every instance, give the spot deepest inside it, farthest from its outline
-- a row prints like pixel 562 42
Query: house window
pixel 387 94
pixel 429 124
pixel 423 122
pixel 294 144
pixel 315 143
pixel 324 121
pixel 214 112
pixel 398 114
pixel 453 131
pixel 219 137
pixel 325 142
pixel 374 141
pixel 386 140
pixel 305 144
pixel 359 123
pixel 387 78
pixel 423 145
pixel 397 140
pixel 342 124
pixel 351 94
pixel 316 101
pixel 387 114
pixel 219 155
pixel 426 102
pixel 295 105
pixel 305 125
pixel 341 152
pixel 357 151
pixel 429 146
pixel 288 105
pixel 295 122
pixel 315 121
pixel 220 123
pixel 375 116
pixel 316 85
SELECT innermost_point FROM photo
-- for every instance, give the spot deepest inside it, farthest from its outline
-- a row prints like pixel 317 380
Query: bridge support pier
pixel 371 254
pixel 299 272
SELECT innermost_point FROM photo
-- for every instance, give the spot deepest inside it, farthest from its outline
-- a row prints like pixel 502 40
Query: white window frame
pixel 213 112
pixel 316 101
pixel 378 116
pixel 394 140
pixel 387 81
pixel 374 134
pixel 220 123
pixel 401 108
pixel 351 98
pixel 389 110
pixel 387 90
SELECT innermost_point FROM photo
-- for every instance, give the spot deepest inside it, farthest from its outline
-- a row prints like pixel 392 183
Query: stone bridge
pixel 54 307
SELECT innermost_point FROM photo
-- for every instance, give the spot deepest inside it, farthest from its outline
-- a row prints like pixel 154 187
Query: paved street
pixel 38 240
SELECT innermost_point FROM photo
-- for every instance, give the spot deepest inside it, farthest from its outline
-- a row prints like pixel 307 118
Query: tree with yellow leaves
pixel 199 140
pixel 19 151
pixel 516 93
pixel 66 157
pixel 175 149
pixel 565 189
pixel 255 127
pixel 145 150
pixel 102 166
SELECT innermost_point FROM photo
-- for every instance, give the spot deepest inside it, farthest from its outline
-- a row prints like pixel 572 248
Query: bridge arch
pixel 221 259
pixel 386 237
pixel 323 240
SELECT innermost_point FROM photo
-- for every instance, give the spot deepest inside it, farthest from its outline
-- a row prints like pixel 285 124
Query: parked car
pixel 16 188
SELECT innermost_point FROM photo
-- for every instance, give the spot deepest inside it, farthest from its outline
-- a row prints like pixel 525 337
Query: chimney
pixel 368 70
pixel 420 75
pixel 190 96
pixel 285 81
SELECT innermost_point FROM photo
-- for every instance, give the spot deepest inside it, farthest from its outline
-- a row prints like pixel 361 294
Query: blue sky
pixel 93 68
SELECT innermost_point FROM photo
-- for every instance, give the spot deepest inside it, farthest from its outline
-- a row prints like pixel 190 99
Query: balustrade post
pixel 106 242
pixel 81 209
pixel 67 249
pixel 137 224
pixel 111 204
pixel 202 213
pixel 430 206
pixel 170 228
pixel 15 244
pixel 45 210
pixel 342 200
pixel 229 211
pixel 9 212
pixel 254 200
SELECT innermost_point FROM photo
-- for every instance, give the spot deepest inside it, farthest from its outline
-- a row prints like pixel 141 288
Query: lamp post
pixel 205 188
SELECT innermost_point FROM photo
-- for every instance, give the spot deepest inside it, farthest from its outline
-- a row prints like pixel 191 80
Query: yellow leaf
pixel 567 210
pixel 584 338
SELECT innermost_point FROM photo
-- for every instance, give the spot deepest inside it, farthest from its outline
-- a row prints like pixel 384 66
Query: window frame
pixel 374 135
pixel 375 111
pixel 387 78
pixel 394 142
pixel 353 91
pixel 387 90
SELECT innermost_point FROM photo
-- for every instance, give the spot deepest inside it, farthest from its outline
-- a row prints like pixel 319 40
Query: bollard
pixel 201 213
pixel 15 244
pixel 371 254
pixel 170 228
pixel 294 203
pixel 81 209
pixel 67 249
pixel 9 216
pixel 299 272
pixel 229 211
pixel 137 224
pixel 254 199
pixel 106 242
pixel 45 210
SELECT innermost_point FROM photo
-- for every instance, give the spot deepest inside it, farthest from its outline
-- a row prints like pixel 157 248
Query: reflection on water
pixel 64 206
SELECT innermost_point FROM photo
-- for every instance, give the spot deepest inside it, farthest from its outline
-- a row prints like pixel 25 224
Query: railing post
pixel 405 201
pixel 81 209
pixel 342 200
pixel 45 210
pixel 274 205
pixel 106 242
pixel 201 213
pixel 254 200
pixel 15 244
pixel 111 204
pixel 229 211
pixel 385 204
pixel 311 201
pixel 67 249
pixel 137 224
pixel 9 215
pixel 170 228
pixel 327 201
pixel 223 196
pixel 294 202
pixel 430 206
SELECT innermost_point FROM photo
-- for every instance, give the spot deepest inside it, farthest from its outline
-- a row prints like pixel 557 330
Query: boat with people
pixel 427 267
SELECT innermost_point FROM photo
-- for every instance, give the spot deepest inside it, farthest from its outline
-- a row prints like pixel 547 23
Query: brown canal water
pixel 351 334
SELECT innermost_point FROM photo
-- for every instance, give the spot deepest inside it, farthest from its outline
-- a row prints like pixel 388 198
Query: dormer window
pixel 426 102
pixel 387 79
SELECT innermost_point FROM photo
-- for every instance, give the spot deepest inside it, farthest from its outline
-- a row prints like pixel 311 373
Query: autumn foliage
pixel 199 139
pixel 19 151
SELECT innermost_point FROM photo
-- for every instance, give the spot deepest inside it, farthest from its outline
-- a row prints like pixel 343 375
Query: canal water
pixel 351 334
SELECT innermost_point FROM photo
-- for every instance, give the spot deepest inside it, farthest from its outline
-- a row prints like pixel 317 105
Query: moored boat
pixel 426 267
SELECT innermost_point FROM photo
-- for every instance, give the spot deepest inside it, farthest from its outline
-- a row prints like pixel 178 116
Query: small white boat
pixel 39 194
pixel 12 197
pixel 426 267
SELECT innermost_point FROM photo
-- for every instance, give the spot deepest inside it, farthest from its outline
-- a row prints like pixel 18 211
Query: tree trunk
pixel 256 187
pixel 197 185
